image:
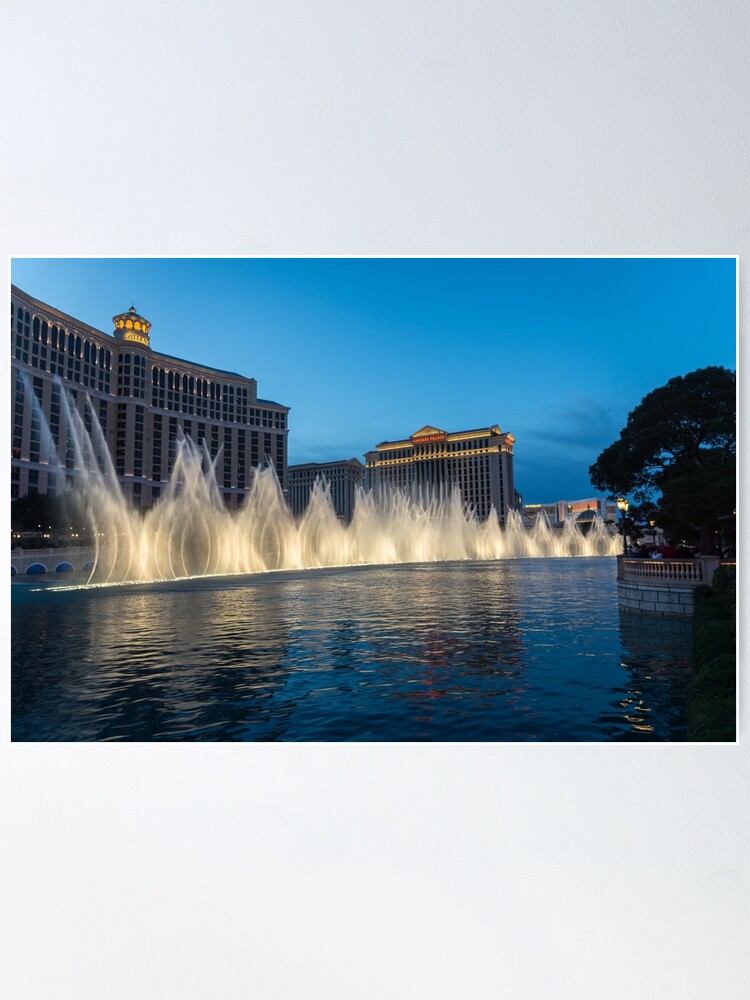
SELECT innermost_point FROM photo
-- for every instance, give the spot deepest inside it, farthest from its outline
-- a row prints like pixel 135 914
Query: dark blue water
pixel 531 649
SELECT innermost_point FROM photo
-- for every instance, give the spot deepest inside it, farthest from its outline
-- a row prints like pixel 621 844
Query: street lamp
pixel 622 506
pixel 653 530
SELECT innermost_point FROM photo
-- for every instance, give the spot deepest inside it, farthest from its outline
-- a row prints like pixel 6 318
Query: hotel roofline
pixel 429 434
pixel 140 413
pixel 336 463
pixel 86 327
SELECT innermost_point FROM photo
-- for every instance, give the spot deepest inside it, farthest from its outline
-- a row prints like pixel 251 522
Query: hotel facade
pixel 142 400
pixel 342 478
pixel 576 510
pixel 434 462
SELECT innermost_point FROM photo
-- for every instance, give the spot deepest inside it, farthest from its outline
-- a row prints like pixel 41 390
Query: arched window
pixel 154 376
pixel 36 328
pixel 78 347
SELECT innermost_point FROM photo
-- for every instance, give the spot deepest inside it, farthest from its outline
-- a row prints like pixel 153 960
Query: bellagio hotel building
pixel 142 400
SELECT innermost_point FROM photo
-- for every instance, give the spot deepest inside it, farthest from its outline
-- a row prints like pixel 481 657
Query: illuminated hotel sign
pixel 428 434
pixel 429 437
pixel 130 326
pixel 137 337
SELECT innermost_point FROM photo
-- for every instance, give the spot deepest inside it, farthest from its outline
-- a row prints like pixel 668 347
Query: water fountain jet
pixel 188 532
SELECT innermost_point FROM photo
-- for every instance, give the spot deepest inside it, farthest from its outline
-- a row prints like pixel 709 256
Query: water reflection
pixel 656 660
pixel 511 650
pixel 144 664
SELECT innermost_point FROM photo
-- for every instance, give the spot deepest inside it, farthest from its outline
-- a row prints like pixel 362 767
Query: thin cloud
pixel 576 424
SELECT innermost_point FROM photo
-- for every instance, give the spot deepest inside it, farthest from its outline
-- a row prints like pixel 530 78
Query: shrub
pixel 724 586
pixel 709 609
pixel 712 639
pixel 711 701
pixel 701 593
pixel 711 696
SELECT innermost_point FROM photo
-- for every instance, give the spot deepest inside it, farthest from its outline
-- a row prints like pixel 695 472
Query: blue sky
pixel 556 351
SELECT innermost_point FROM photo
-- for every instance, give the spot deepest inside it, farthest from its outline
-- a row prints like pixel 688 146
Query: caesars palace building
pixel 478 462
pixel 142 400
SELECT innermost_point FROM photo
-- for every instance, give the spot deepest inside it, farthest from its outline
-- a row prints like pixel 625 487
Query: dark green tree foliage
pixel 678 451
pixel 32 512
pixel 59 514
pixel 711 695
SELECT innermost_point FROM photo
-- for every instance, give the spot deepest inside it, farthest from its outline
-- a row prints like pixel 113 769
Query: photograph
pixel 382 499
pixel 375 626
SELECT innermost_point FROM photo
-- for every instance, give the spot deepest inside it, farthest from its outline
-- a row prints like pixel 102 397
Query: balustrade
pixel 679 572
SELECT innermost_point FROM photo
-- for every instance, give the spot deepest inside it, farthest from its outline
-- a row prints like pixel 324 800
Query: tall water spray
pixel 188 532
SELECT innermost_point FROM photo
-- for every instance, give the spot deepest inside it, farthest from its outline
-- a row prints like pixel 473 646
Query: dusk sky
pixel 556 351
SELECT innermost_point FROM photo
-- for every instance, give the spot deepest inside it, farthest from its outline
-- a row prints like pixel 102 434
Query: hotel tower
pixel 143 401
pixel 434 462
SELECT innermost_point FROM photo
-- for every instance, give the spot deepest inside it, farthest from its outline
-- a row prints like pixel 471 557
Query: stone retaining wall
pixel 662 587
pixel 660 600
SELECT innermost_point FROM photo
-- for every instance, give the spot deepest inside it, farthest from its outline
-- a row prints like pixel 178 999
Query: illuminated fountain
pixel 188 532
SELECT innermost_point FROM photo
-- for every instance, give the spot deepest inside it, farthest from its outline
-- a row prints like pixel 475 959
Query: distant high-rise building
pixel 432 461
pixel 577 510
pixel 343 479
pixel 142 400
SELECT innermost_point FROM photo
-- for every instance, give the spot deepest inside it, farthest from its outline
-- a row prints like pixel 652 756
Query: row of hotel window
pixel 433 450
pixel 90 365
pixel 232 474
pixel 97 450
pixel 57 338
pixel 232 468
pixel 52 441
pixel 472 476
pixel 67 482
pixel 462 464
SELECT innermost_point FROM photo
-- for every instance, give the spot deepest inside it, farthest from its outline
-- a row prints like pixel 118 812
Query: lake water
pixel 514 650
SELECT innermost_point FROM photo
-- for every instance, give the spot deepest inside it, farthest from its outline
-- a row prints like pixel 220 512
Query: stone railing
pixel 677 572
pixel 663 586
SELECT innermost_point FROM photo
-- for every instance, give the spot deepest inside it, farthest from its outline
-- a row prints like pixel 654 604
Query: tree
pixel 60 515
pixel 678 452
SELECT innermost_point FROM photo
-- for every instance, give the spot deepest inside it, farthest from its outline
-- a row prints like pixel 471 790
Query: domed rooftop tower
pixel 132 326
pixel 586 515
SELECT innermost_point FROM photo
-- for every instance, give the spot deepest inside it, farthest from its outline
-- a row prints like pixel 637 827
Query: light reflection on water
pixel 515 650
